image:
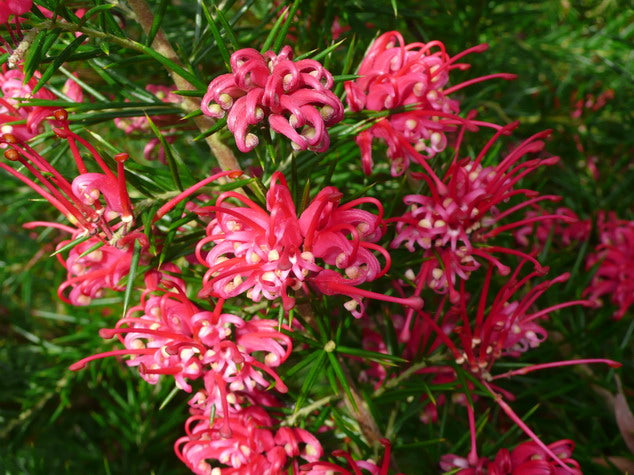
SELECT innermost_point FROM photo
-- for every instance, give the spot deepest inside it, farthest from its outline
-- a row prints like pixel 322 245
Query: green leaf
pixel 287 24
pixel 373 355
pixel 91 248
pixel 228 30
pixel 93 11
pixel 273 33
pixel 175 390
pixel 310 380
pixel 188 93
pixel 224 52
pixel 220 123
pixel 169 155
pixel 59 60
pixel 334 363
pixel 156 22
pixel 70 245
pixel 134 265
pixel 34 55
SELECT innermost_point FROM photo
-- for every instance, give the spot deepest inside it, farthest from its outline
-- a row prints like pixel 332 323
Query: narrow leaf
pixel 59 60
pixel 169 155
pixel 224 52
pixel 134 265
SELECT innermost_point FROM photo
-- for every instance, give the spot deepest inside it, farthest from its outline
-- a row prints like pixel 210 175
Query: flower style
pixel 395 75
pixel 615 259
pixel 526 458
pixel 461 214
pixel 264 253
pixel 294 97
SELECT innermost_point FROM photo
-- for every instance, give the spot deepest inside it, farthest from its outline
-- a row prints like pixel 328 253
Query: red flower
pixel 294 97
pixel 615 258
pixel 266 252
pixel 395 75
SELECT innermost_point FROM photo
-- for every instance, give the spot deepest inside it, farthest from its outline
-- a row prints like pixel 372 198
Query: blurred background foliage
pixel 105 419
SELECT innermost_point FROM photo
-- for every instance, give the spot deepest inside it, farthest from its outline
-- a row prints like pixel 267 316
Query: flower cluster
pixel 615 260
pixel 565 233
pixel 267 252
pixel 526 458
pixel 141 125
pixel 13 90
pixel 294 97
pixel 102 235
pixel 412 77
pixel 463 210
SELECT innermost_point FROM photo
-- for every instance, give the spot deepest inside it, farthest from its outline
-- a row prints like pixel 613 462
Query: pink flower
pixel 615 259
pixel 525 459
pixel 294 97
pixel 325 468
pixel 140 124
pixel 573 230
pixel 395 75
pixel 13 7
pixel 102 228
pixel 103 268
pixel 253 446
pixel 464 209
pixel 267 252
pixel 13 88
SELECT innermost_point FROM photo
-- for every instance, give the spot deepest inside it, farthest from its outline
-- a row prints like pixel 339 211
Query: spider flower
pixel 293 96
pixel 253 446
pixel 394 75
pixel 565 233
pixel 326 468
pixel 264 253
pixel 96 204
pixel 13 89
pixel 462 213
pixel 527 458
pixel 615 259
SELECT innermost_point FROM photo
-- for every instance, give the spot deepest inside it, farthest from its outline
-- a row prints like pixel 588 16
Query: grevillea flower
pixel 93 265
pixel 525 459
pixel 267 252
pixel 504 327
pixel 327 468
pixel 173 336
pixel 615 258
pixel 252 446
pixel 395 75
pixel 565 233
pixel 13 7
pixel 102 229
pixel 462 212
pixel 294 97
pixel 12 89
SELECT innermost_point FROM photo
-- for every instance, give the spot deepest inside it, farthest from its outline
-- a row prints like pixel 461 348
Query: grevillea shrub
pixel 269 238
